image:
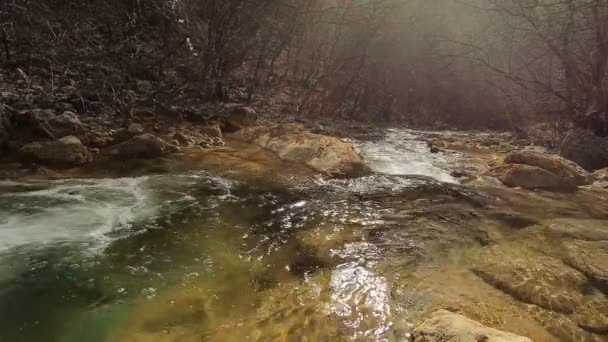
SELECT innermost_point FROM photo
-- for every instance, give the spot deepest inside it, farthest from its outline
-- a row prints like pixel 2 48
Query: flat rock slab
pixel 445 326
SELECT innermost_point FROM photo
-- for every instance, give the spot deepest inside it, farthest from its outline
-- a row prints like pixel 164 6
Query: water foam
pixel 403 152
pixel 70 210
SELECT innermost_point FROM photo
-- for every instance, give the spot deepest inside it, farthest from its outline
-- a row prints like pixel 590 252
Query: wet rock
pixel 563 168
pixel 322 153
pixel 591 258
pixel 530 177
pixel 447 326
pixel 212 131
pixel 67 151
pixel 141 146
pixel 585 149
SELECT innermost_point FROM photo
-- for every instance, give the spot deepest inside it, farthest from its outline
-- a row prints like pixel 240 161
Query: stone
pixel 135 129
pixel 67 151
pixel 444 326
pixel 141 146
pixel 557 165
pixel 585 149
pixel 530 177
pixel 321 153
pixel 212 131
pixel 65 124
pixel 45 123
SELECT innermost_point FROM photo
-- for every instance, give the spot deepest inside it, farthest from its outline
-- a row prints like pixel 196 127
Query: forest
pixel 500 64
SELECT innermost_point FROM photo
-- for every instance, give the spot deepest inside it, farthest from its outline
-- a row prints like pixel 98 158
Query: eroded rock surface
pixel 555 291
pixel 444 326
pixel 591 258
pixel 324 154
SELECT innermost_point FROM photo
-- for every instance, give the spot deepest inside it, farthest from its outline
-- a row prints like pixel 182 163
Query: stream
pixel 194 256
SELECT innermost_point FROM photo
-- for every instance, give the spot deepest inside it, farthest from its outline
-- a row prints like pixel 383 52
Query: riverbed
pixel 202 255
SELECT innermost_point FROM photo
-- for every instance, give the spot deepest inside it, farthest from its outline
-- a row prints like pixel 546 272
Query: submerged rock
pixel 531 277
pixel 322 153
pixel 545 283
pixel 530 177
pixel 67 151
pixel 585 149
pixel 447 326
pixel 323 241
pixel 591 258
pixel 141 146
pixel 582 229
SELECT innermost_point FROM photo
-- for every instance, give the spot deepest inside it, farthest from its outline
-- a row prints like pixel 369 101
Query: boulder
pixel 321 153
pixel 47 124
pixel 65 124
pixel 67 151
pixel 240 117
pixel 141 146
pixel 585 149
pixel 445 326
pixel 530 177
pixel 563 168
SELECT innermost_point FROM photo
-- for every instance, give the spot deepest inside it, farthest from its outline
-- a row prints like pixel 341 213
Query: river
pixel 195 256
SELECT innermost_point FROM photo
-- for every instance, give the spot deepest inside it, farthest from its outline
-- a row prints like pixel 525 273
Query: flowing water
pixel 195 256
